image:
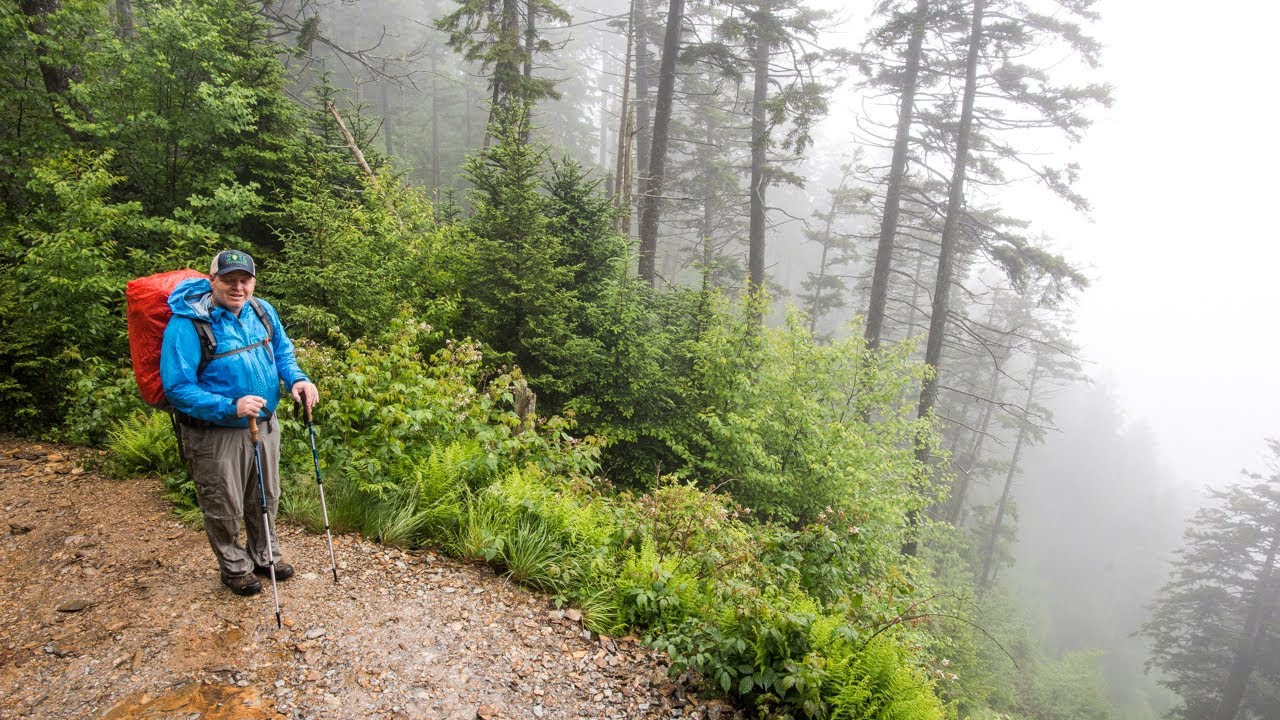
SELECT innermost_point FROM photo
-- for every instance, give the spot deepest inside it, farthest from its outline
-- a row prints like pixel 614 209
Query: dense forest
pixel 707 318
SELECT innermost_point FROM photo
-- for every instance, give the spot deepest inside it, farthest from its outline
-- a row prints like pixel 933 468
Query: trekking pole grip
pixel 253 428
pixel 306 409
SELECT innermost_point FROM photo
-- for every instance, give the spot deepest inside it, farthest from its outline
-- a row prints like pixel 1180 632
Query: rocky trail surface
pixel 110 608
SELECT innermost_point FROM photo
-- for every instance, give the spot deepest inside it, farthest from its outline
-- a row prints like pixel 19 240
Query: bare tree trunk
pixel 504 70
pixel 759 150
pixel 897 170
pixel 987 577
pixel 124 19
pixel 951 227
pixel 386 119
pixel 622 198
pixel 826 248
pixel 604 119
pixel 57 78
pixel 946 254
pixel 915 293
pixel 530 40
pixel 644 70
pixel 1251 640
pixel 708 215
pixel 435 127
pixel 955 507
pixel 651 193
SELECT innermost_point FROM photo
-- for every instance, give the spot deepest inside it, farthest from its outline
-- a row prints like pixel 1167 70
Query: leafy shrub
pixel 103 395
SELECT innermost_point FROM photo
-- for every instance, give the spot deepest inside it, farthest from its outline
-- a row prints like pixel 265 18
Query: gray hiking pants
pixel 221 461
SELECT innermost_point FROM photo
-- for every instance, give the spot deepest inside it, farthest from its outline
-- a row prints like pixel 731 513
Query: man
pixel 222 361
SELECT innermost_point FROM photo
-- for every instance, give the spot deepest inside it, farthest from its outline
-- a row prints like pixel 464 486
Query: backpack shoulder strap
pixel 265 319
pixel 209 345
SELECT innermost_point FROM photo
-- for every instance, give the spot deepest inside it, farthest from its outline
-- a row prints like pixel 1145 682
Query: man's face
pixel 232 290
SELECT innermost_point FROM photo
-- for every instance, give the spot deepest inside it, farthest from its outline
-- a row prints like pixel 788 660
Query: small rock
pixel 55 458
pixel 488 712
pixel 19 529
pixel 556 614
pixel 538 711
pixel 314 633
pixel 73 605
pixel 573 615
pixel 77 471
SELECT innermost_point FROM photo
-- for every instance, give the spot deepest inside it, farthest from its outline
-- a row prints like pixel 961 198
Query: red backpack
pixel 147 310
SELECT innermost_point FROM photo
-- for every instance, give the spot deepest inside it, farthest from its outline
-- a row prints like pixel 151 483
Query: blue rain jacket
pixel 212 397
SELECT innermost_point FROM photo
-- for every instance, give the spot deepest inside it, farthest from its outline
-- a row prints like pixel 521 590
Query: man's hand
pixel 306 393
pixel 250 406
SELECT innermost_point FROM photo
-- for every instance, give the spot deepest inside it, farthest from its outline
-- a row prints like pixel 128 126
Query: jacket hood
pixel 192 298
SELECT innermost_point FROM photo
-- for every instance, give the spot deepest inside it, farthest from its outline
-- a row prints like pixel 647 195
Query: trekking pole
pixel 324 510
pixel 266 521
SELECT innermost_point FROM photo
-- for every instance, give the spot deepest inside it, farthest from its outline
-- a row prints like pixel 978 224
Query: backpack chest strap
pixel 209 344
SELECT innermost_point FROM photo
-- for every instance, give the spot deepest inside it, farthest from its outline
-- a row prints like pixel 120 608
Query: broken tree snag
pixel 364 165
pixel 351 142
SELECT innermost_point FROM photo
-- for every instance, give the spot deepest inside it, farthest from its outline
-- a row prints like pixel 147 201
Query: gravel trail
pixel 110 609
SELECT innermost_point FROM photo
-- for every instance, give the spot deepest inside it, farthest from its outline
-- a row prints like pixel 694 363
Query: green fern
pixel 872 682
pixel 143 444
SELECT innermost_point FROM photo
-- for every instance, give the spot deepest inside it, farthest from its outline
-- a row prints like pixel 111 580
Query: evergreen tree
pixel 1215 629
pixel 502 35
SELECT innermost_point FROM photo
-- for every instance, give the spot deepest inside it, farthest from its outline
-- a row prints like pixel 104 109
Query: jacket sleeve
pixel 282 350
pixel 179 361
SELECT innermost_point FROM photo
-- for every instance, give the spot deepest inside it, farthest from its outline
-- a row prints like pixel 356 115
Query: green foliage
pixel 520 300
pixel 61 282
pixel 102 396
pixel 873 682
pixel 145 444
pixel 347 261
pixel 194 103
pixel 795 427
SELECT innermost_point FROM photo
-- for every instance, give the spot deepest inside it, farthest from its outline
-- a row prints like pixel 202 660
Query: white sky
pixel 1182 318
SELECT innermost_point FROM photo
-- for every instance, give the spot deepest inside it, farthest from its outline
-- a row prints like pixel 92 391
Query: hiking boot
pixel 243 584
pixel 284 571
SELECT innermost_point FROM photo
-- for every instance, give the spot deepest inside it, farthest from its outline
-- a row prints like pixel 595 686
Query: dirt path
pixel 110 608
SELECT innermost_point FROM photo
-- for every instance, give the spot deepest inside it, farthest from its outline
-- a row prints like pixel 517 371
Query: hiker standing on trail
pixel 224 356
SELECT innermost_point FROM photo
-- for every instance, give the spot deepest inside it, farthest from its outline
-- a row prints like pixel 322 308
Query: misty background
pixel 1176 332
pixel 1132 395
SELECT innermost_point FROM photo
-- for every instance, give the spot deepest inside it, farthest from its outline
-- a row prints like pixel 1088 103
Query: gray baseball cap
pixel 228 260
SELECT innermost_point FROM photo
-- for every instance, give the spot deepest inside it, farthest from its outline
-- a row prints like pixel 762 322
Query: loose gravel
pixel 111 608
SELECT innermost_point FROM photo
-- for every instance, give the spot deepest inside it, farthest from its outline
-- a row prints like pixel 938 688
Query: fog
pixel 1178 329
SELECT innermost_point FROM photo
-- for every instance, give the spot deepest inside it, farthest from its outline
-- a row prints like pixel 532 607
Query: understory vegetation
pixel 737 493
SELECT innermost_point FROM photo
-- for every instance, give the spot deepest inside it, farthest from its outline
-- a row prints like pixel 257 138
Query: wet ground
pixel 111 608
